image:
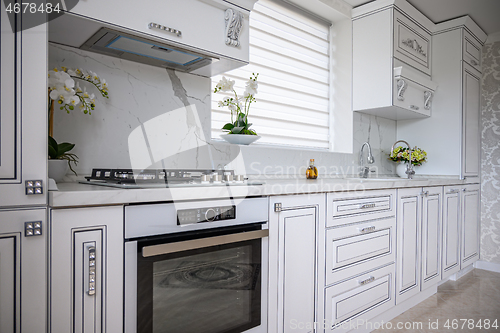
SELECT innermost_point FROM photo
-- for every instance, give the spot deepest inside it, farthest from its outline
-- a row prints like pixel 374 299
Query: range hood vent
pixel 126 46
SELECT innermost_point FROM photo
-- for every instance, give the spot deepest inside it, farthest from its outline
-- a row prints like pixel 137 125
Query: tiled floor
pixel 475 296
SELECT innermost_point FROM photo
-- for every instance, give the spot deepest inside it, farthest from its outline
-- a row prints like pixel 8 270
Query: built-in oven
pixel 195 267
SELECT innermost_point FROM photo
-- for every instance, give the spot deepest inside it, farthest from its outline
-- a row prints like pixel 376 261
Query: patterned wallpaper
pixel 490 164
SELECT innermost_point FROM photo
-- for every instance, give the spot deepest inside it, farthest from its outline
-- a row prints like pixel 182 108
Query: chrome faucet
pixel 365 169
pixel 409 166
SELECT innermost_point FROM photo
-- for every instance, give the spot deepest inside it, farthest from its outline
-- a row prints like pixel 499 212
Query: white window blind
pixel 290 51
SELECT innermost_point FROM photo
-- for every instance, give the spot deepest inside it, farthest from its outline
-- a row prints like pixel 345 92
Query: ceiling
pixel 484 12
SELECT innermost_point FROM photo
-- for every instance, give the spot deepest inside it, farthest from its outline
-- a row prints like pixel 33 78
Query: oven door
pixel 211 281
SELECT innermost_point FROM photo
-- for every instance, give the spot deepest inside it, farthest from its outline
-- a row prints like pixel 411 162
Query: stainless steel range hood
pixel 126 46
pixel 100 37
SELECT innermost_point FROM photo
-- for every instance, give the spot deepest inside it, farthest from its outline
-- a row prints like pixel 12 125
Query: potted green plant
pixel 401 155
pixel 68 96
pixel 238 130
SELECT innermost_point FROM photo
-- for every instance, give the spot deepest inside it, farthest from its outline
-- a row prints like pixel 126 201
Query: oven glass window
pixel 211 290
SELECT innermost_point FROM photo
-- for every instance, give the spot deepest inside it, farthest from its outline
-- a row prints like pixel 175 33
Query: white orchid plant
pixel 239 106
pixel 68 95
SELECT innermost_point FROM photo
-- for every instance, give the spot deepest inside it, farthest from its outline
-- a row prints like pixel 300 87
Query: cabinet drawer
pixel 412 44
pixel 354 249
pixel 359 206
pixel 471 51
pixel 363 297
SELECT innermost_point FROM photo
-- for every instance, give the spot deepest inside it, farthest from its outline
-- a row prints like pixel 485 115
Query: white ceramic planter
pixel 240 139
pixel 58 169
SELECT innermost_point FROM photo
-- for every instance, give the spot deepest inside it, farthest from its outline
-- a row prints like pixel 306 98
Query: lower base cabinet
pixel 419 240
pixel 461 228
pixel 292 262
pixel 86 270
pixel 22 270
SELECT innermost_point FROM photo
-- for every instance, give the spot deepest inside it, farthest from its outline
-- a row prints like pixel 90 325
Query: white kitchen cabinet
pixel 356 257
pixel 461 228
pixel 86 270
pixel 23 271
pixel 292 262
pixel 452 149
pixel 471 226
pixel 23 130
pixel 419 240
pixel 201 23
pixel 392 61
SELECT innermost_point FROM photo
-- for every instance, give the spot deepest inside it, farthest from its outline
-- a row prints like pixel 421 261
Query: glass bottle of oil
pixel 311 172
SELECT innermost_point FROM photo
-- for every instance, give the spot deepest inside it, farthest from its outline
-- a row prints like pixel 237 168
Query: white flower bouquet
pixel 239 106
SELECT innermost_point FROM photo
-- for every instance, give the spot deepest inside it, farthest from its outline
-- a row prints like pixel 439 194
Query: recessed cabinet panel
pixel 471 115
pixel 470 224
pixel 412 44
pixel 451 231
pixel 88 289
pixel 472 51
pixel 408 248
pixel 8 285
pixel 431 236
pixel 354 249
pixel 299 249
pixel 9 131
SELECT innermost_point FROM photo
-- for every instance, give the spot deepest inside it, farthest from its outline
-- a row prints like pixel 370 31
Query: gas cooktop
pixel 151 178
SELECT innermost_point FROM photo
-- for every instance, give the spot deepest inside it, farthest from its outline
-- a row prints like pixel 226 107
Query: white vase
pixel 58 169
pixel 401 170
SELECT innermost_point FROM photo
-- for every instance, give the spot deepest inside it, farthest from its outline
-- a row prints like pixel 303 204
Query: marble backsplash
pixel 142 95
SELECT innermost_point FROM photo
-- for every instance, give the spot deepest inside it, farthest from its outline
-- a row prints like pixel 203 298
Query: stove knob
pixel 210 215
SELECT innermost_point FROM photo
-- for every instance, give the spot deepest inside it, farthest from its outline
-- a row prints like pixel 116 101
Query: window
pixel 290 51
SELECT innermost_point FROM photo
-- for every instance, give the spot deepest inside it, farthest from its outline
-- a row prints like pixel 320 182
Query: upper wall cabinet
pixel 23 129
pixel 213 29
pixel 456 57
pixel 392 61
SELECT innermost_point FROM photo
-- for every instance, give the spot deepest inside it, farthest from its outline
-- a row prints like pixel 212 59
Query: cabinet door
pixel 23 130
pixel 408 243
pixel 470 121
pixel 431 236
pixel 86 241
pixel 470 224
pixel 451 231
pixel 292 249
pixel 23 283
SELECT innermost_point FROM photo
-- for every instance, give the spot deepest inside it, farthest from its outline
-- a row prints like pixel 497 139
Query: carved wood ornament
pixel 234 23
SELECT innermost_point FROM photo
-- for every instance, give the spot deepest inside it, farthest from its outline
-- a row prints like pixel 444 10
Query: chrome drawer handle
pixel 153 25
pixel 366 229
pixel 424 193
pixel 370 279
pixel 474 62
pixel 92 275
pixel 453 191
pixel 367 206
pixel 414 107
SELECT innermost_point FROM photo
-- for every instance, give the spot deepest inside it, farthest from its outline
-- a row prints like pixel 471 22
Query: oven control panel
pixel 210 214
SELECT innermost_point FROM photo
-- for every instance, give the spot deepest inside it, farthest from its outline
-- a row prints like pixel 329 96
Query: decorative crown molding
pixel 234 23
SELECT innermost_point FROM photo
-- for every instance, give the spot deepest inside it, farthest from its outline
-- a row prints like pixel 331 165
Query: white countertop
pixel 75 194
